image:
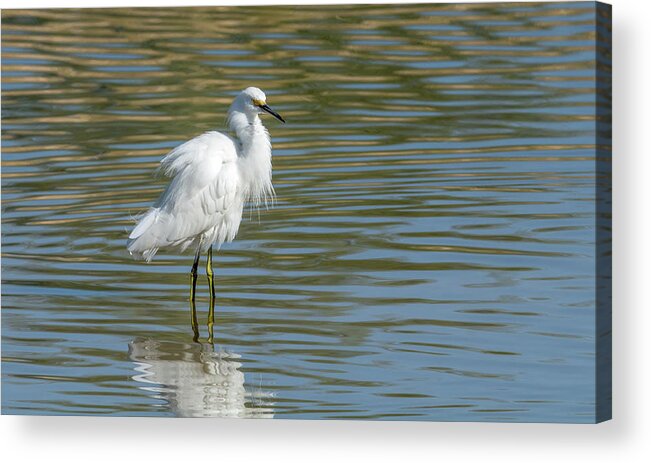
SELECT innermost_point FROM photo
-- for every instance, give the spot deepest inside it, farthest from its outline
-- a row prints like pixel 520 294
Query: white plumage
pixel 212 177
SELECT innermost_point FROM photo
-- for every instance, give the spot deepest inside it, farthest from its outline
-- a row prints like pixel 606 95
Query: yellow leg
pixel 211 283
pixel 193 307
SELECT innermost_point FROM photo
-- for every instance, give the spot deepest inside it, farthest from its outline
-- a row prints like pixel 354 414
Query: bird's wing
pixel 204 186
pixel 194 165
pixel 191 153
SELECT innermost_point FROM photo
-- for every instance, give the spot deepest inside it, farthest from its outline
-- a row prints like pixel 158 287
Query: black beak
pixel 267 109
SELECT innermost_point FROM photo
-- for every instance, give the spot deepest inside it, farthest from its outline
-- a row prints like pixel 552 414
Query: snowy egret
pixel 212 177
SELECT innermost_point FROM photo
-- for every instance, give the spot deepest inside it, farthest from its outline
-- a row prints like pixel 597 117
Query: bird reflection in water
pixel 196 381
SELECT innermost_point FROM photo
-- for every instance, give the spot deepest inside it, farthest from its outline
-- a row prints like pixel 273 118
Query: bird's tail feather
pixel 143 242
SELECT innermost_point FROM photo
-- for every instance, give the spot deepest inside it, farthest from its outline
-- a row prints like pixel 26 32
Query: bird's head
pixel 253 101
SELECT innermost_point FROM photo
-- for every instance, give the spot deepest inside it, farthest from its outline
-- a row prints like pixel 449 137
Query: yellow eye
pixel 258 102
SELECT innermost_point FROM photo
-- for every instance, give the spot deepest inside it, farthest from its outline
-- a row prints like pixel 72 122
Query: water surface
pixel 430 255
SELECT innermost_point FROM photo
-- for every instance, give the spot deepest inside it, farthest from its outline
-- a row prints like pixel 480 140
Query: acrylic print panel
pixel 439 245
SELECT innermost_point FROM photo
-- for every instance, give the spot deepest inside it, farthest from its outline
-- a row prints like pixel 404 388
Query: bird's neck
pixel 254 155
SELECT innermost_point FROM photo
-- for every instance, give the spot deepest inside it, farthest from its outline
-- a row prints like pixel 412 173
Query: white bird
pixel 212 177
